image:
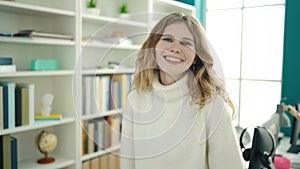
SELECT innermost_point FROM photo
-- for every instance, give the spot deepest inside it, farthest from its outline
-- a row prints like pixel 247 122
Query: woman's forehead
pixel 178 30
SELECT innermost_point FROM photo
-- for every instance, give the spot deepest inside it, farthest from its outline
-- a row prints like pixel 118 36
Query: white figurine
pixel 46 104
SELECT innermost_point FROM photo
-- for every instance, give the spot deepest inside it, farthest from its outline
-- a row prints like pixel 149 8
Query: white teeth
pixel 172 59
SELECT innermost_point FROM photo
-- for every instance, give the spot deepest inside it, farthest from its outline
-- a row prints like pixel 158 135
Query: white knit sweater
pixel 163 129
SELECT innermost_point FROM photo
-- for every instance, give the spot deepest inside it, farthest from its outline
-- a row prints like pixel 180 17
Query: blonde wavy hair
pixel 206 84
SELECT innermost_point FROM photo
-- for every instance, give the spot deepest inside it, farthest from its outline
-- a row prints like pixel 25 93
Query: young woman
pixel 178 113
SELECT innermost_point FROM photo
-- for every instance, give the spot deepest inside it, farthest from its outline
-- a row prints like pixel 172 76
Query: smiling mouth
pixel 173 59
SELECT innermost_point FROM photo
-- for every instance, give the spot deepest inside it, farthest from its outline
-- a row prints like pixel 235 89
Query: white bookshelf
pixel 77 58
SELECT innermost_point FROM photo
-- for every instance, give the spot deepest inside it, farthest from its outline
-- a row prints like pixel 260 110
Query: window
pixel 248 38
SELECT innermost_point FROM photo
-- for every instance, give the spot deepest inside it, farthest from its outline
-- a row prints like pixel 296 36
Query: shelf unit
pixel 77 58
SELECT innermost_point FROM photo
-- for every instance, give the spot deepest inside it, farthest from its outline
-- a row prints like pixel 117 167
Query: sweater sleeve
pixel 127 141
pixel 223 147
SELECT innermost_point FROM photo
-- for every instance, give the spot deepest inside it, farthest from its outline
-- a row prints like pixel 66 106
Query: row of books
pixel 16 104
pixel 6 65
pixel 100 134
pixel 107 161
pixel 103 93
pixel 8 152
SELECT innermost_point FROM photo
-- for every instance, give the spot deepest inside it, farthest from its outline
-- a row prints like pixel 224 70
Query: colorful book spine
pixel 52 116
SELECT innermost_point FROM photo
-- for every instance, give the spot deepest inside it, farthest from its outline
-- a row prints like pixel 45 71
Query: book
pixel 99 135
pixel 1 109
pixel 85 164
pixel 94 163
pixel 18 106
pixel 116 90
pixel 14 153
pixel 116 130
pixel 7 68
pixel 6 61
pixel 107 131
pixel 84 137
pixel 103 160
pixel 91 132
pixel 6 151
pixel 35 33
pixel 125 87
pixel 8 104
pixel 87 95
pixel 25 106
pixel 95 95
pixel 112 161
pixel 1 152
pixel 104 94
pixel 28 100
pixel 52 116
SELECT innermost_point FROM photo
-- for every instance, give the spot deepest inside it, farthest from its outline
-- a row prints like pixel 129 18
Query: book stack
pixel 6 65
pixel 42 34
pixel 8 152
pixel 51 117
pixel 16 104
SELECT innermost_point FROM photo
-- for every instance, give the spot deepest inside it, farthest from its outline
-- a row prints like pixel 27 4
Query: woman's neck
pixel 167 79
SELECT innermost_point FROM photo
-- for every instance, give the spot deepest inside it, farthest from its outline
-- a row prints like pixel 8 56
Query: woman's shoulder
pixel 137 94
pixel 217 106
pixel 217 101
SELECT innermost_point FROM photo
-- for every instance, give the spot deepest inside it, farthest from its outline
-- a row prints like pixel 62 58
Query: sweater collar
pixel 173 91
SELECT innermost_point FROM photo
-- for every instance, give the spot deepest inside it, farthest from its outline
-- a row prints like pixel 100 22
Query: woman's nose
pixel 175 47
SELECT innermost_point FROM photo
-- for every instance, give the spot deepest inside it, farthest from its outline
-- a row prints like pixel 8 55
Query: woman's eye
pixel 186 43
pixel 167 39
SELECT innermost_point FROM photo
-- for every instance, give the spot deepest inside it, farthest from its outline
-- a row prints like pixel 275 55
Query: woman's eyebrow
pixel 185 38
pixel 189 39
